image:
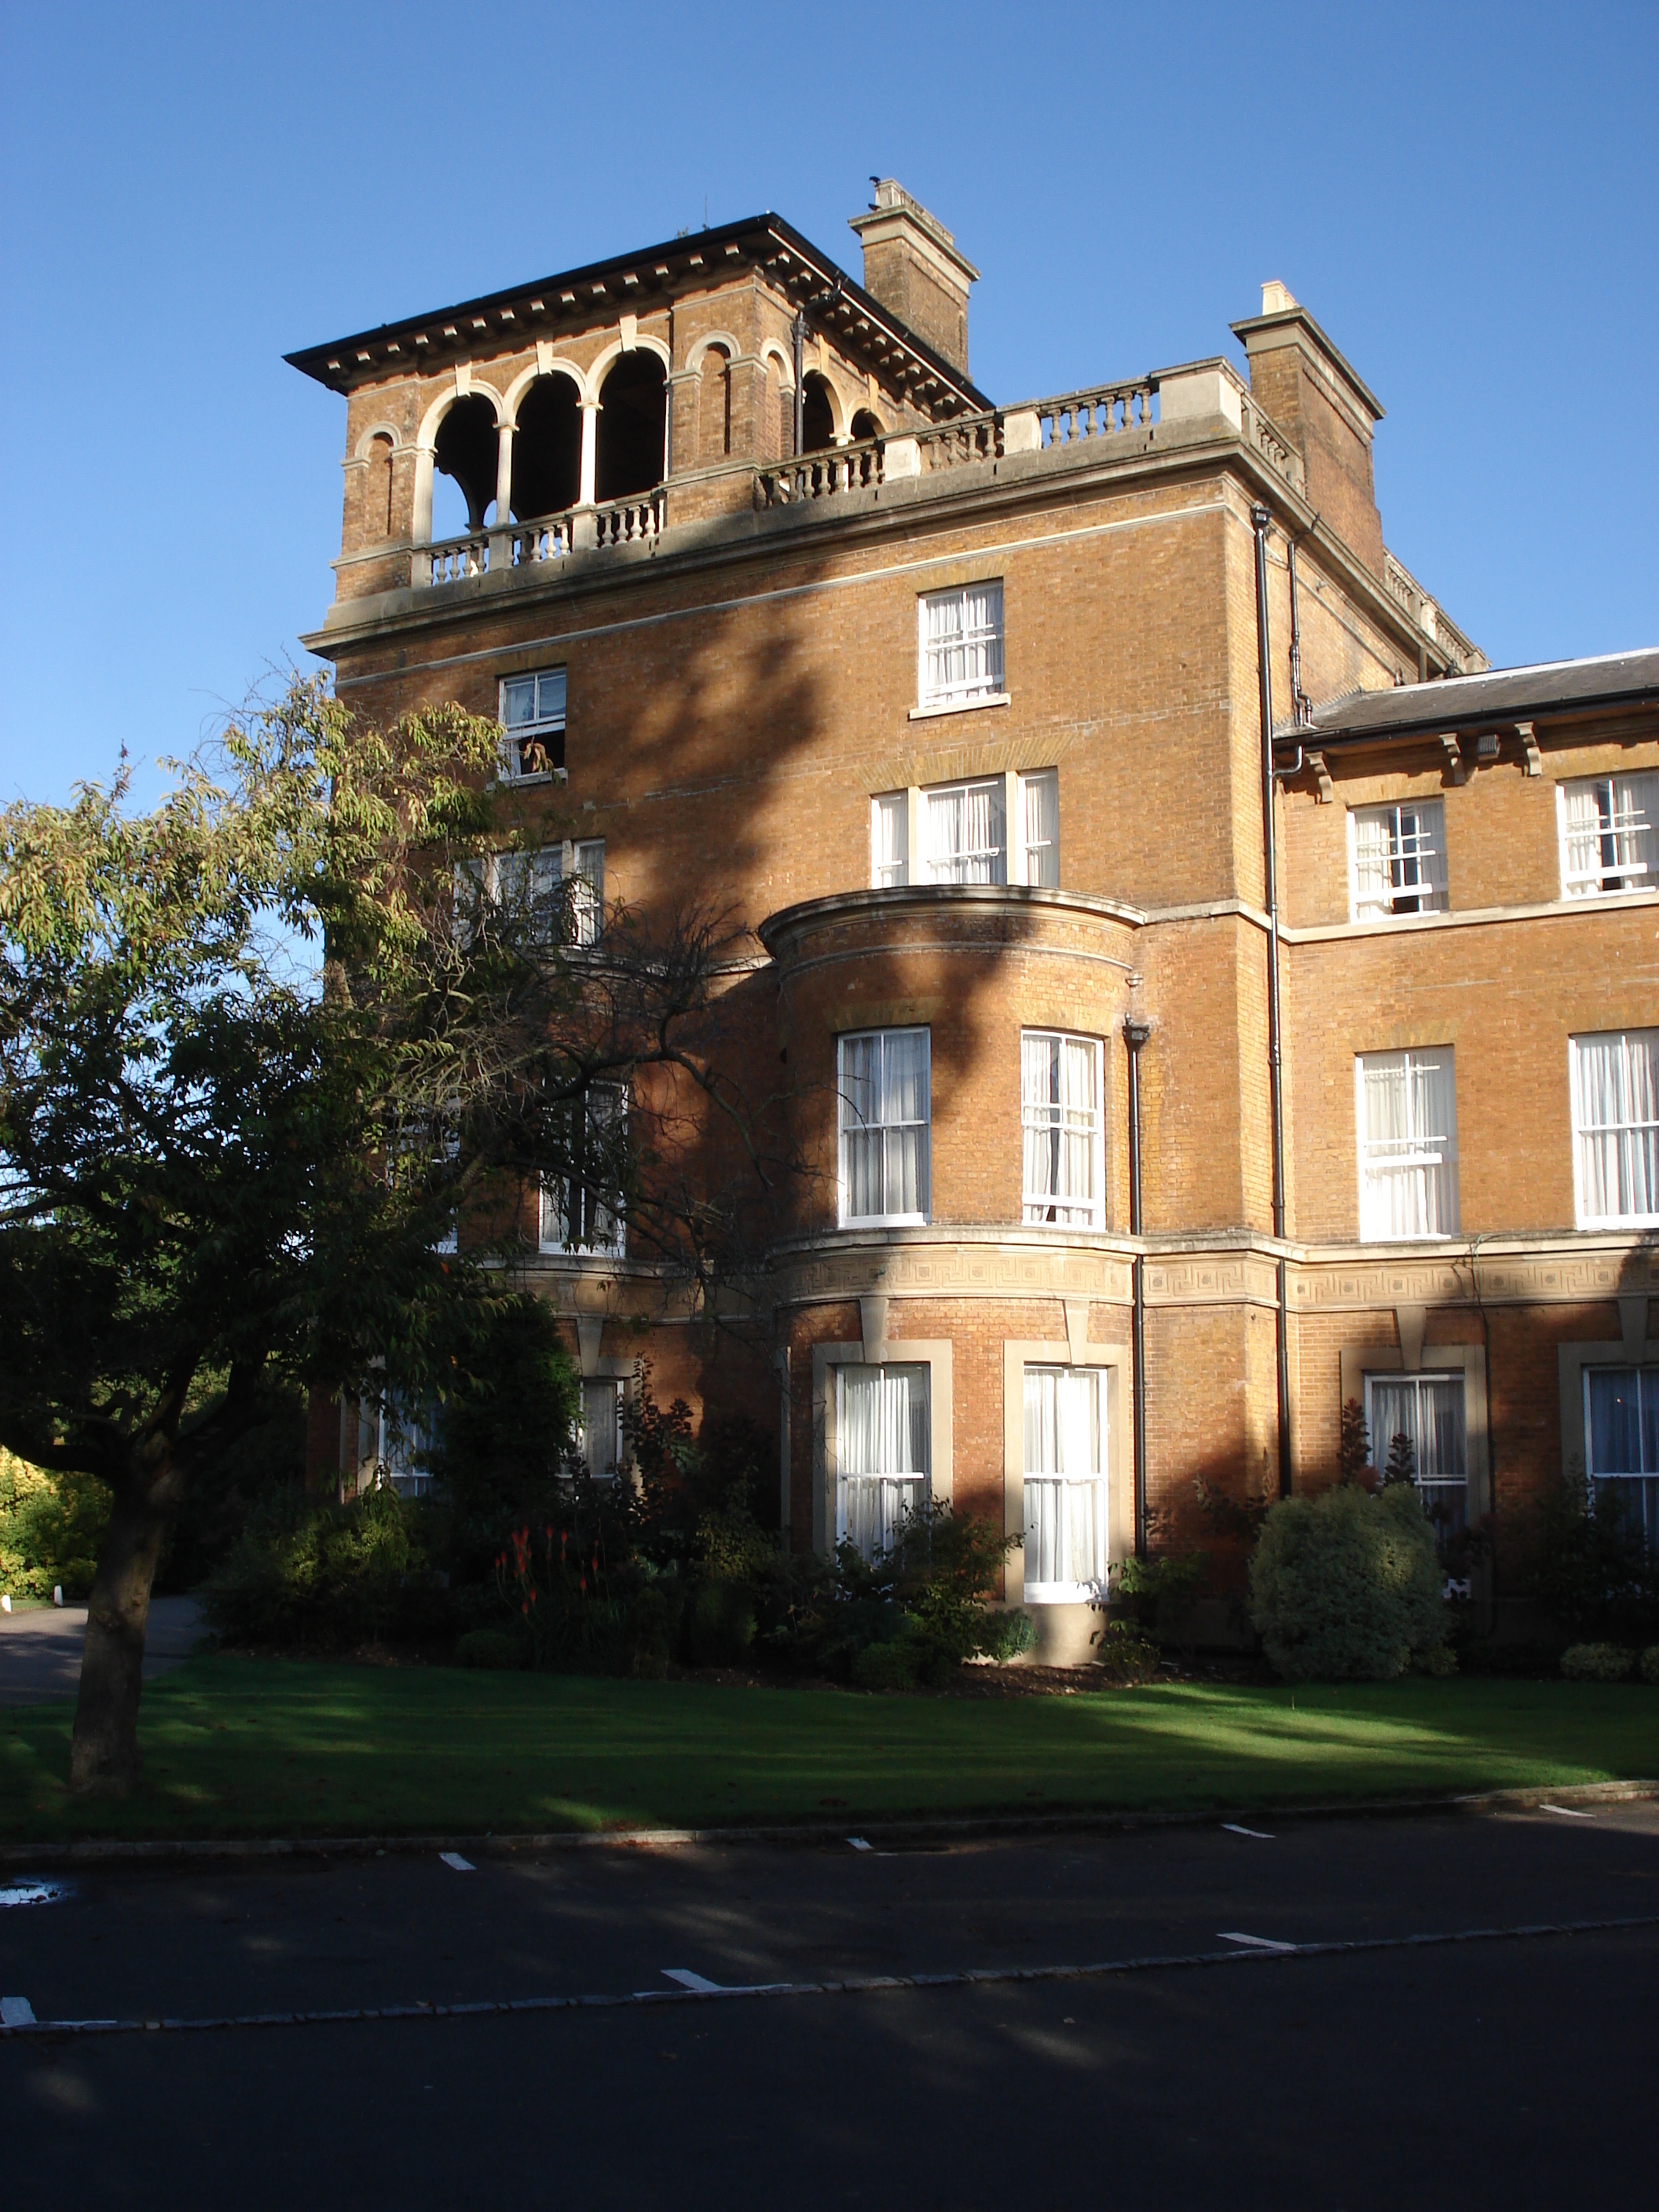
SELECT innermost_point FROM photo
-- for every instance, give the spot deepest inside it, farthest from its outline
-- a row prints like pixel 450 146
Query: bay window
pixel 1407 1115
pixel 1614 1082
pixel 1064 1486
pixel 885 1112
pixel 1062 1161
pixel 963 832
pixel 883 1437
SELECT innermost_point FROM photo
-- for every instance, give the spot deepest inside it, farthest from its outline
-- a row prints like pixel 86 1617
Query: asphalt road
pixel 1515 2071
pixel 41 1647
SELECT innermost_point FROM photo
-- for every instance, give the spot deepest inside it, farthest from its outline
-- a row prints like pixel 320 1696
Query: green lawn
pixel 243 1746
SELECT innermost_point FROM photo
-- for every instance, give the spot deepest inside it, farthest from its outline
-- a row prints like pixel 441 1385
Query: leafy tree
pixel 255 1056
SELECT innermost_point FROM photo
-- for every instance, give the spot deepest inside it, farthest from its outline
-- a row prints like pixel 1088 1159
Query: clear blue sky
pixel 1467 197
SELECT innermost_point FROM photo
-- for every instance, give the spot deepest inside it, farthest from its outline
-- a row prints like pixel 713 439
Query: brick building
pixel 1140 1140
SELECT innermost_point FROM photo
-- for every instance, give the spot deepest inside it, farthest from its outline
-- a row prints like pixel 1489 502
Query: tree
pixel 257 1051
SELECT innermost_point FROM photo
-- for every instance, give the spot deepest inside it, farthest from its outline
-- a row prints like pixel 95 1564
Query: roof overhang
pixel 653 275
pixel 1498 698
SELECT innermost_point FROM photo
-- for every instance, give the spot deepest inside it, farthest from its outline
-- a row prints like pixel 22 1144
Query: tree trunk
pixel 104 1752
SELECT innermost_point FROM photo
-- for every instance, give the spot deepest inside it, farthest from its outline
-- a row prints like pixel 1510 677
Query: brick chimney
pixel 1327 413
pixel 912 266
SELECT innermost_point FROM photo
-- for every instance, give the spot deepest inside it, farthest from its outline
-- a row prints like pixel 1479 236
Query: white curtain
pixel 889 840
pixel 1039 798
pixel 882 1444
pixel 1430 1410
pixel 884 1116
pixel 1066 1531
pixel 962 637
pixel 1060 1113
pixel 587 892
pixel 600 1441
pixel 1607 832
pixel 967 833
pixel 1408 1144
pixel 1615 1111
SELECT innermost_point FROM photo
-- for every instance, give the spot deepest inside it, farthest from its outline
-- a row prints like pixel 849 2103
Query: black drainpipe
pixel 798 333
pixel 1135 1033
pixel 1260 521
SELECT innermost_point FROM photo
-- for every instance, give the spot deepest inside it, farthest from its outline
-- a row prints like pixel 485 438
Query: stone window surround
pixel 1414 1356
pixel 1074 1349
pixel 874 1348
pixel 1635 1348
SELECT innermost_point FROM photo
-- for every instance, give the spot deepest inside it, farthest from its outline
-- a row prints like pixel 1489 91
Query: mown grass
pixel 257 1747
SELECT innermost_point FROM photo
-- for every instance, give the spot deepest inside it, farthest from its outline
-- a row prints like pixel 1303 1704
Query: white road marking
pixel 1233 1829
pixel 697 1990
pixel 32 1893
pixel 1566 1812
pixel 454 1859
pixel 16 2012
pixel 858 1844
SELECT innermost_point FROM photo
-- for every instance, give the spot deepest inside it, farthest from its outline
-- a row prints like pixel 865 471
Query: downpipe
pixel 1260 521
pixel 1135 1033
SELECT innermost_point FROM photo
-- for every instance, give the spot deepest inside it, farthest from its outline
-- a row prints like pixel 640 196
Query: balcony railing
pixel 635 522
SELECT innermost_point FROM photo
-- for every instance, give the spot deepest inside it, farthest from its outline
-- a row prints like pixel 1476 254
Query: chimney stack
pixel 912 266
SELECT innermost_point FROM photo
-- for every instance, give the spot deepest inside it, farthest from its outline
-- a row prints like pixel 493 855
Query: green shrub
pixel 498 1649
pixel 1439 1659
pixel 1347 1586
pixel 913 1658
pixel 1597 1662
pixel 1123 1653
pixel 51 1527
pixel 721 1625
pixel 1156 1595
pixel 1005 1636
pixel 1648 1665
pixel 653 1625
pixel 1594 1572
pixel 308 1571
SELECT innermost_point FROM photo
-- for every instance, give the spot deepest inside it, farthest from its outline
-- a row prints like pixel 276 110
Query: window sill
pixel 543 775
pixel 1622 1221
pixel 883 1221
pixel 961 705
pixel 1061 1594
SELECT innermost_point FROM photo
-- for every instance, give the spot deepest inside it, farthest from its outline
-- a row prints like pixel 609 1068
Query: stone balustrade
pixel 1465 657
pixel 821 475
pixel 634 522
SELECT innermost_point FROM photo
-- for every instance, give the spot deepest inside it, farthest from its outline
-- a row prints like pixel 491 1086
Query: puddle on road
pixel 34 1892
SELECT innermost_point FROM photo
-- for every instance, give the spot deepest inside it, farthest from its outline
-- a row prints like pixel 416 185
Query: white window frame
pixel 400 1437
pixel 1417 1150
pixel 901 831
pixel 1629 1129
pixel 581 860
pixel 594 1388
pixel 918 1479
pixel 1416 884
pixel 544 725
pixel 1091 1587
pixel 979 642
pixel 1048 1210
pixel 1626 805
pixel 553 1227
pixel 845 1126
pixel 1395 1378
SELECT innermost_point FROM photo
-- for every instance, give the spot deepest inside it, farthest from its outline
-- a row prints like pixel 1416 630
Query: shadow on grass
pixel 240 1746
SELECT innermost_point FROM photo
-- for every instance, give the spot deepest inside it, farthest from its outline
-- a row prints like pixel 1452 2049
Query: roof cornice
pixel 524 313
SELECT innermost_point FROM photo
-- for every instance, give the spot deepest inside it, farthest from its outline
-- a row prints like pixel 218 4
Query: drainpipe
pixel 1135 1033
pixel 1260 522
